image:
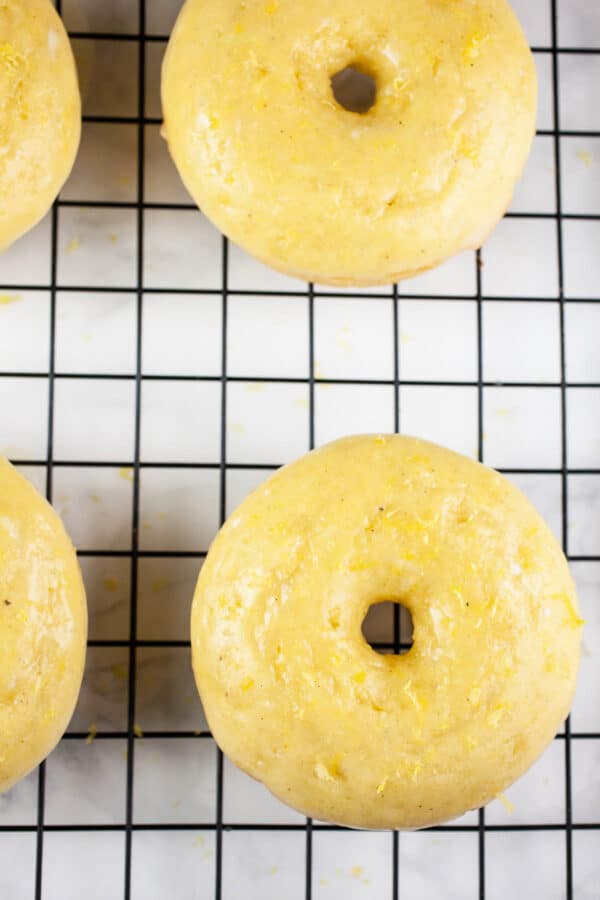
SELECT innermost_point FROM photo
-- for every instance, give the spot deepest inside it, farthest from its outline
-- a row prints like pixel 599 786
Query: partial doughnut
pixel 346 187
pixel 43 628
pixel 40 113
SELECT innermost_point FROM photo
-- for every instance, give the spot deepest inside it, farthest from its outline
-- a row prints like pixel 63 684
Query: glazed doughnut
pixel 40 113
pixel 43 626
pixel 339 196
pixel 296 696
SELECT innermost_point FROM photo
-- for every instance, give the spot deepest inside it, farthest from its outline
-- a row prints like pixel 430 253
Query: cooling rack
pixel 151 374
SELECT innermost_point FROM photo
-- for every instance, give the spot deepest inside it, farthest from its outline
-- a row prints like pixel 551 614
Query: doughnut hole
pixel 384 622
pixel 354 89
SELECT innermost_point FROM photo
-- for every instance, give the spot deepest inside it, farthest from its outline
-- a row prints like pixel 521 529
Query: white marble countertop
pixel 433 333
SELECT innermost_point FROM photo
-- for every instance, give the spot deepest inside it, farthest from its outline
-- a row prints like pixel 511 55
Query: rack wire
pixel 132 645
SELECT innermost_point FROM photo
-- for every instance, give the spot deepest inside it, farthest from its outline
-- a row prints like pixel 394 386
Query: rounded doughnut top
pixel 40 113
pixel 296 696
pixel 43 627
pixel 343 197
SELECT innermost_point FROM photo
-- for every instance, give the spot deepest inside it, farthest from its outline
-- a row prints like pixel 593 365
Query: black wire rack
pixel 551 57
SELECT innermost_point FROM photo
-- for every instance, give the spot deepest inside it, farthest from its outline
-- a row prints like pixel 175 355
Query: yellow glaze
pixel 40 114
pixel 335 196
pixel 298 699
pixel 43 626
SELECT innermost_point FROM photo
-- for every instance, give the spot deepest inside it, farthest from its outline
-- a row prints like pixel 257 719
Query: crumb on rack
pixel 159 585
pixel 506 803
pixel 119 672
pixel 586 158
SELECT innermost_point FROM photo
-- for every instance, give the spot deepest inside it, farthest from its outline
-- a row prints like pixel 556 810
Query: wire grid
pixel 396 298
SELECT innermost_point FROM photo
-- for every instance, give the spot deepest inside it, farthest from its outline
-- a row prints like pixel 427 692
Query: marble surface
pixel 175 786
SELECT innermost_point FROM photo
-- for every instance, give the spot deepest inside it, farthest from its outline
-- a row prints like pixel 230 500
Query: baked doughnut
pixel 43 626
pixel 40 113
pixel 296 696
pixel 338 196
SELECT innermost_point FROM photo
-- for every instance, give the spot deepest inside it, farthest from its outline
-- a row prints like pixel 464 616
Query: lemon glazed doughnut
pixel 296 696
pixel 350 190
pixel 40 113
pixel 43 626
